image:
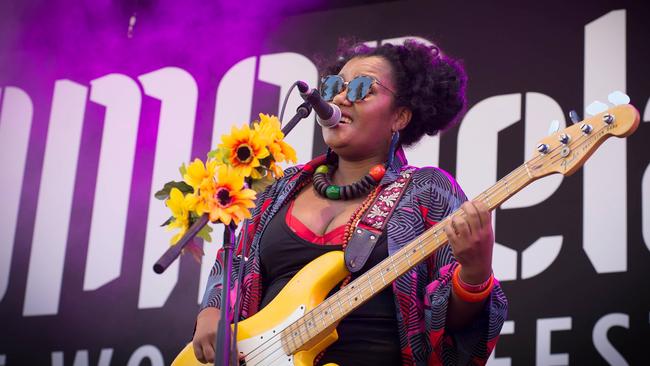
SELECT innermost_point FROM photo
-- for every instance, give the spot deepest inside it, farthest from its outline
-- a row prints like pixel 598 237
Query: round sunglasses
pixel 357 88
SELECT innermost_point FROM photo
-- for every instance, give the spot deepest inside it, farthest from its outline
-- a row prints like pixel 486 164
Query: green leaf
pixel 183 170
pixel 163 194
pixel 212 153
pixel 204 233
pixel 221 155
pixel 169 221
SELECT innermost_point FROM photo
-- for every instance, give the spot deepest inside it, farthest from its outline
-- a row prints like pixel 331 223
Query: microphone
pixel 329 114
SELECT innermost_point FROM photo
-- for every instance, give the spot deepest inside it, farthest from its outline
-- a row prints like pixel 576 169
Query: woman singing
pixel 448 309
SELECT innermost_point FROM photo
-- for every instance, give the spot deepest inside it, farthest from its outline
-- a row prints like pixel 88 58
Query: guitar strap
pixel 373 222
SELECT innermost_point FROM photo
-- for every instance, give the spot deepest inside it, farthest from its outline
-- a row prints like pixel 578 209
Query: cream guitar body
pixel 260 338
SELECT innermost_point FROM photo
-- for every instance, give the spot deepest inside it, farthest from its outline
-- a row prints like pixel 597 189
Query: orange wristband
pixel 467 295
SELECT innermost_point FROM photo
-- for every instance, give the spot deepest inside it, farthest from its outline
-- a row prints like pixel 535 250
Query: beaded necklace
pixel 325 188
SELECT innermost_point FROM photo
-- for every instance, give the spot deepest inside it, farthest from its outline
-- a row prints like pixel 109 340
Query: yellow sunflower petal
pixel 190 202
pixel 211 167
pixel 289 152
pixel 175 201
pixel 195 174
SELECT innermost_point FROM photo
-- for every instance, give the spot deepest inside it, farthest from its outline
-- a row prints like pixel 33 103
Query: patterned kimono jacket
pixel 421 294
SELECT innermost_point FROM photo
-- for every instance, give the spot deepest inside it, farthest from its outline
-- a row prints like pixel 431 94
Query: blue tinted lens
pixel 359 88
pixel 331 86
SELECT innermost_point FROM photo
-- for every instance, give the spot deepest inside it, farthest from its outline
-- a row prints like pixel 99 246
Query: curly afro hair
pixel 429 83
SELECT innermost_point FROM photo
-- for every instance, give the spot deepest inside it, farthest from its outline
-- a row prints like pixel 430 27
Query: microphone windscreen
pixel 334 120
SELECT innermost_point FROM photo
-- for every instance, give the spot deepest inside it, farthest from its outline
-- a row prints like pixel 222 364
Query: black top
pixel 368 336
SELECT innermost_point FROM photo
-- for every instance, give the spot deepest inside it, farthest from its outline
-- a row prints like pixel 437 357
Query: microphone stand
pixel 174 251
pixel 224 341
pixel 302 111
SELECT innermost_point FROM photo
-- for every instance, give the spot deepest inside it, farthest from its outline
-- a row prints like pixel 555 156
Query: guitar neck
pixel 330 312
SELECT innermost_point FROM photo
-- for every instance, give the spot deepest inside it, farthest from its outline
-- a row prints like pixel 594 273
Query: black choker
pixel 325 188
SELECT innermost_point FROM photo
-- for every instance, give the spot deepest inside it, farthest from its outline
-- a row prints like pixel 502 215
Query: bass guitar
pixel 300 322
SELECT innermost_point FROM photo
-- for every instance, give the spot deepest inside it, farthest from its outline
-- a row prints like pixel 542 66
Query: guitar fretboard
pixel 330 312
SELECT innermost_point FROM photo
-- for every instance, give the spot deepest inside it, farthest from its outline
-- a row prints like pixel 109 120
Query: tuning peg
pixel 542 148
pixel 573 115
pixel 596 107
pixel 554 127
pixel 564 138
pixel 618 97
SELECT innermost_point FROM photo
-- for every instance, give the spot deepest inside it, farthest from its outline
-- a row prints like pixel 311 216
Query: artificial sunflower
pixel 201 178
pixel 245 148
pixel 230 200
pixel 217 188
pixel 181 206
pixel 269 127
pixel 199 175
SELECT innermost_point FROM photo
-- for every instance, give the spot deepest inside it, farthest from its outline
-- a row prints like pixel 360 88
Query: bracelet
pixel 473 288
pixel 471 296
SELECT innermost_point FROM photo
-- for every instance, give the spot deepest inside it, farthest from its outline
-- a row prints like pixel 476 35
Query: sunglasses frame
pixel 348 90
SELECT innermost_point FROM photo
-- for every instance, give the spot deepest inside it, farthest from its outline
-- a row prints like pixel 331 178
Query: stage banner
pixel 101 102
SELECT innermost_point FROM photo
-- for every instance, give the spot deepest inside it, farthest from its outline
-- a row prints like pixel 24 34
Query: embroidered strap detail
pixel 374 220
pixel 377 215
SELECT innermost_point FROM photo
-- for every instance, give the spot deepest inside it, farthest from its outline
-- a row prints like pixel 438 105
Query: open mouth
pixel 345 119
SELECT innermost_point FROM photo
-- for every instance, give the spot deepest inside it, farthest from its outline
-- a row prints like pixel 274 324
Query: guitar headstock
pixel 565 151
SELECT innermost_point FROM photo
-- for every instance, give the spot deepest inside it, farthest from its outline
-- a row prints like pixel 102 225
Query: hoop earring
pixel 394 141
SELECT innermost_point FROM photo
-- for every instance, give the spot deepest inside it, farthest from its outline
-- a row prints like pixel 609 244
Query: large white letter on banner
pixel 476 166
pixel 15 125
pixel 604 204
pixel 45 272
pixel 178 93
pixel 121 97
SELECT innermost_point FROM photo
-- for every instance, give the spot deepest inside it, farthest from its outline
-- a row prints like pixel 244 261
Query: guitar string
pixel 400 261
pixel 317 312
pixel 425 235
pixel 496 189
